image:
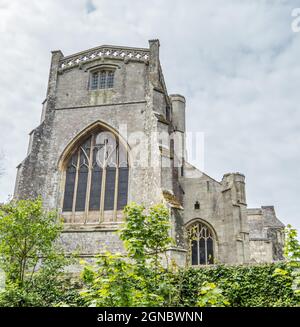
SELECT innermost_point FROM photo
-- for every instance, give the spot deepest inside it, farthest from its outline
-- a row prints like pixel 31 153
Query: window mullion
pixel 102 195
pixel 198 251
pixel 190 249
pixel 205 249
pixel 89 180
pixel 116 184
pixel 198 244
pixel 75 186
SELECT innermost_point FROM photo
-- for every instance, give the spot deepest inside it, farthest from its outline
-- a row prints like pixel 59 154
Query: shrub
pixel 242 286
pixel 29 257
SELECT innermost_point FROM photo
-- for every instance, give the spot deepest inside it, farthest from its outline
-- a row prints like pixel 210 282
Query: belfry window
pixel 201 244
pixel 103 79
pixel 96 177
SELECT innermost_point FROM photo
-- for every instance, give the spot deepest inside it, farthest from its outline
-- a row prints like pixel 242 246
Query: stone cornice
pixel 104 51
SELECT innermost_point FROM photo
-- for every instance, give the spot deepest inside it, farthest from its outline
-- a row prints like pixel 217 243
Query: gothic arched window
pixel 201 244
pixel 96 182
pixel 102 79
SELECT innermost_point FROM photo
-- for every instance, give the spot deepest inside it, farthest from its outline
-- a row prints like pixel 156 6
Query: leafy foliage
pixel 292 246
pixel 211 296
pixel 292 254
pixel 242 286
pixel 146 234
pixel 33 265
pixel 137 279
pixel 26 235
pixel 140 279
pixel 116 282
pixel 144 276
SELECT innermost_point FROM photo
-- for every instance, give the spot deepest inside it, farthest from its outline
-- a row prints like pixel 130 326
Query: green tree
pixel 292 254
pixel 29 256
pixel 142 276
pixel 114 282
pixel 146 235
pixel 292 246
pixel 138 277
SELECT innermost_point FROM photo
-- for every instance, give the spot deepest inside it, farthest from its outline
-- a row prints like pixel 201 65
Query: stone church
pixel 110 134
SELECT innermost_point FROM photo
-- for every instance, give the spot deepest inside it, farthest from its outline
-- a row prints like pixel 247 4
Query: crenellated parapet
pixel 105 52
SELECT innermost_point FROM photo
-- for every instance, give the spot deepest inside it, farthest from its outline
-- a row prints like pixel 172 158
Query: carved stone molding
pixel 104 52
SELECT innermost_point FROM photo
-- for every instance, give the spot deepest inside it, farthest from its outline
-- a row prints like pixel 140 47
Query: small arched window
pixel 103 79
pixel 197 205
pixel 201 244
pixel 96 179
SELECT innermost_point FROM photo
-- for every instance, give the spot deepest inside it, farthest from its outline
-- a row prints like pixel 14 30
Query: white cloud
pixel 236 62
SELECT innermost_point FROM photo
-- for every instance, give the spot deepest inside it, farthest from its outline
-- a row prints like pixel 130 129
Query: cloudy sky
pixel 236 62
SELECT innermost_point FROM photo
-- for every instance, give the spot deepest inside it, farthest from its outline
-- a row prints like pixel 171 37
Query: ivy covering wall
pixel 266 285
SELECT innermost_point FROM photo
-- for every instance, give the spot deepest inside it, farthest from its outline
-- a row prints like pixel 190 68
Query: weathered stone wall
pixel 266 234
pixel 87 243
pixel 261 251
pixel 72 109
pixel 222 208
pixel 129 85
pixel 138 103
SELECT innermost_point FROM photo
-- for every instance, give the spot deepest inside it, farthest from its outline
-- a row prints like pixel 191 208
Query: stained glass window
pixel 201 244
pixel 122 188
pixel 97 175
pixel 69 184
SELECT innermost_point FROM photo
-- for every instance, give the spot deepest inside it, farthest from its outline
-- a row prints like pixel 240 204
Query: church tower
pixel 104 140
pixel 110 134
